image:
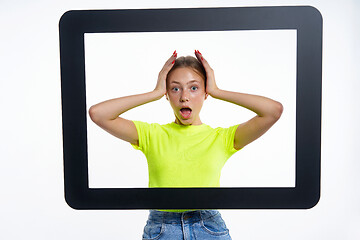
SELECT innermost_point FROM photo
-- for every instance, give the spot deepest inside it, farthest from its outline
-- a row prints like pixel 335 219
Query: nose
pixel 184 97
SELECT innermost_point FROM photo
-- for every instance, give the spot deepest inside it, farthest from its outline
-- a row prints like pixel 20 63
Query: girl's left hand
pixel 210 76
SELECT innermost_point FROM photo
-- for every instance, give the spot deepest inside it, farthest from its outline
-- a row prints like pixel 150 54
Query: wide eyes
pixel 175 89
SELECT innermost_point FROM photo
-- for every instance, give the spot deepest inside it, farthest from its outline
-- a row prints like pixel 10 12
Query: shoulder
pixel 145 126
pixel 227 130
pixel 228 136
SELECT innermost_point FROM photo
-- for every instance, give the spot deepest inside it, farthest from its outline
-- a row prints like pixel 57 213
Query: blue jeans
pixel 200 224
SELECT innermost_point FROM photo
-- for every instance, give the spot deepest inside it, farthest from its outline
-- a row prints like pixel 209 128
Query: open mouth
pixel 185 112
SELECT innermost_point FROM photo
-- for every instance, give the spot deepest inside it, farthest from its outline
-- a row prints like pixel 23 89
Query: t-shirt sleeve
pixel 143 130
pixel 228 135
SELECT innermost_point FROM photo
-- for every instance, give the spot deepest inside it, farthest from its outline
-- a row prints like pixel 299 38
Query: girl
pixel 186 152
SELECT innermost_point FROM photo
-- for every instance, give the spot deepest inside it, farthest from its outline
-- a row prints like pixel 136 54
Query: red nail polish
pixel 201 57
pixel 174 52
pixel 173 62
pixel 175 55
pixel 199 52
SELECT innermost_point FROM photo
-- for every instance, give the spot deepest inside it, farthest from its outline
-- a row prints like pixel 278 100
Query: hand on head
pixel 211 86
pixel 161 82
pixel 210 82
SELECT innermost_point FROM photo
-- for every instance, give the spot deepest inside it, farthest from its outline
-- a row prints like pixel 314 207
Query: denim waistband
pixel 181 217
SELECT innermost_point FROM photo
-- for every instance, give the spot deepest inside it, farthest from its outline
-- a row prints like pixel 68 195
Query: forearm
pixel 111 109
pixel 262 106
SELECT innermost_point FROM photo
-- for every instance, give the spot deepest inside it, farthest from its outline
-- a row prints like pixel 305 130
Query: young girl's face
pixel 186 93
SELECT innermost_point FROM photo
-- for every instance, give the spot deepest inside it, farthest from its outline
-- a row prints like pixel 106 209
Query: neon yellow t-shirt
pixel 185 156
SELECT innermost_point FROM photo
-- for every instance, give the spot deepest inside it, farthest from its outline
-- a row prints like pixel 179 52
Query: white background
pixel 32 202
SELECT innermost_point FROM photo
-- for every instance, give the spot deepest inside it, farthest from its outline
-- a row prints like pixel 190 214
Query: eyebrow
pixel 187 83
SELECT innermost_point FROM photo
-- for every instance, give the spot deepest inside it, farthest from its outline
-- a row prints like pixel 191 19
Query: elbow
pixel 278 110
pixel 94 114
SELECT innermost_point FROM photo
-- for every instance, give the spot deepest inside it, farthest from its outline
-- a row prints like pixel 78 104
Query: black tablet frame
pixel 306 20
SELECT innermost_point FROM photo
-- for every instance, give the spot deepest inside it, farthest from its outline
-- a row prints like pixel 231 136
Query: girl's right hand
pixel 161 82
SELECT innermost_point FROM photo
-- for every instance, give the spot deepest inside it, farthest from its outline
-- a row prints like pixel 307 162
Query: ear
pixel 206 95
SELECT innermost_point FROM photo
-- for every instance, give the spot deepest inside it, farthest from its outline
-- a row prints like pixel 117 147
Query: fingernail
pixel 175 55
pixel 201 57
pixel 173 62
pixel 174 52
pixel 199 52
